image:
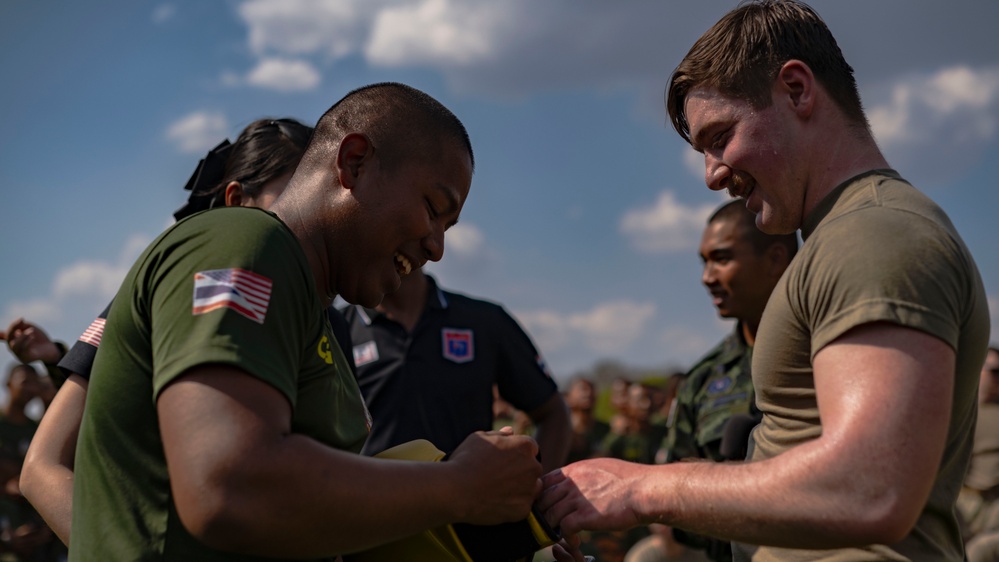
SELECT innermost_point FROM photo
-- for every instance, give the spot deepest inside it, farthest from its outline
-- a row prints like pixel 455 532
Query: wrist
pixel 55 372
pixel 55 353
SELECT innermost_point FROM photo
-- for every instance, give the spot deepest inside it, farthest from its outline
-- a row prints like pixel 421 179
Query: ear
pixel 233 194
pixel 796 86
pixel 352 157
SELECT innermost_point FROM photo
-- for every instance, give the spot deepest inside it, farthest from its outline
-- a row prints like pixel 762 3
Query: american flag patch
pixel 243 291
pixel 94 333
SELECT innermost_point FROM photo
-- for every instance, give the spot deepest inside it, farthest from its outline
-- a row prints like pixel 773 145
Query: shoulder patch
pixel 458 345
pixel 719 385
pixel 243 291
pixel 94 332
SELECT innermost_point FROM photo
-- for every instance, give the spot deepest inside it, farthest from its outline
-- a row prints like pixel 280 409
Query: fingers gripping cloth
pixel 460 542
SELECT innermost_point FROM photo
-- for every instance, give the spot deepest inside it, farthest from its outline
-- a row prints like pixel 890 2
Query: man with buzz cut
pixel 880 323
pixel 222 421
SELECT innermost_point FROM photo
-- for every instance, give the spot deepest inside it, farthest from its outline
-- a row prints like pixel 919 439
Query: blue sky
pixel 586 208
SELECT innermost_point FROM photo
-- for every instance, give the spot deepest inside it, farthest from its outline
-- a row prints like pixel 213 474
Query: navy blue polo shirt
pixel 436 382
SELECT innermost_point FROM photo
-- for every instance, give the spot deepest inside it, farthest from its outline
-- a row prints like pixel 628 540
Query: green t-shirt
pixel 876 250
pixel 231 286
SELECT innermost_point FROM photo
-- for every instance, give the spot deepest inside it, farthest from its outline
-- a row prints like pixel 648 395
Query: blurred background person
pixel 978 502
pixel 428 360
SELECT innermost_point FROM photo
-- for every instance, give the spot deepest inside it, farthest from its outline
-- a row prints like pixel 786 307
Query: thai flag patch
pixel 459 345
pixel 238 289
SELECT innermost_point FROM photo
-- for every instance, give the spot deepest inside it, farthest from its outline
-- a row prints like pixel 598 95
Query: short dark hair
pixel 736 211
pixel 396 117
pixel 742 54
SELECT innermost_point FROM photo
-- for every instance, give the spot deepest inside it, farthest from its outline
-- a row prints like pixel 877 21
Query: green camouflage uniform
pixel 716 388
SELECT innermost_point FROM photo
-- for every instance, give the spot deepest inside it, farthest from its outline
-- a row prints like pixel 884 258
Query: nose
pixel 433 244
pixel 717 175
pixel 708 277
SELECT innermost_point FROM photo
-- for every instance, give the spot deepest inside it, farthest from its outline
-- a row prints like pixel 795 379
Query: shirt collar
pixel 436 298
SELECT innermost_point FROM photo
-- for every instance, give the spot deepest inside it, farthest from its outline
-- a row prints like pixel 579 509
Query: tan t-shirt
pixel 876 250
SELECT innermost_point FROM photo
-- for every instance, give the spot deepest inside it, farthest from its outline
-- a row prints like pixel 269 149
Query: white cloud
pixel 198 132
pixel 610 327
pixel 284 75
pixel 958 100
pixel 936 125
pixel 667 226
pixel 442 32
pixel 464 240
pixel 500 48
pixel 693 161
pixel 78 292
pixel 683 344
pixel 518 47
pixel 301 27
pixel 164 13
pixel 468 259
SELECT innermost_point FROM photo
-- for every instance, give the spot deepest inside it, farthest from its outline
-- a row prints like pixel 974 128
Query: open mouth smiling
pixel 402 264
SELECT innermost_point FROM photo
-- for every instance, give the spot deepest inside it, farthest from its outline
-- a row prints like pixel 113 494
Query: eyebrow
pixel 452 201
pixel 696 141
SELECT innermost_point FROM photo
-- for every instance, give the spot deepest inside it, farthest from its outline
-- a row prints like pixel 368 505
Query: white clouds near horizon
pixel 611 327
pixel 78 292
pixel 198 132
pixel 666 226
pixel 938 124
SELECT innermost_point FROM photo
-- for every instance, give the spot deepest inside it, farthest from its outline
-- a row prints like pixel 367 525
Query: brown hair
pixel 742 54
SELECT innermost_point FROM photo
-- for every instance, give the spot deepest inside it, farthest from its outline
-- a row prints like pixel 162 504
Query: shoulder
pixel 707 362
pixel 241 225
pixel 461 301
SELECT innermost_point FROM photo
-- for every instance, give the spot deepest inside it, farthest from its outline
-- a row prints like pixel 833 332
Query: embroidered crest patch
pixel 459 345
pixel 720 385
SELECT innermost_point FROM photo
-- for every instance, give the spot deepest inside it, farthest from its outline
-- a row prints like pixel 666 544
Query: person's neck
pixel 292 208
pixel 749 328
pixel 405 305
pixel 837 157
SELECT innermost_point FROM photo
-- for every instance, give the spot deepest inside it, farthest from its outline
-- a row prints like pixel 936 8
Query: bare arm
pixel 882 390
pixel 47 474
pixel 554 432
pixel 243 482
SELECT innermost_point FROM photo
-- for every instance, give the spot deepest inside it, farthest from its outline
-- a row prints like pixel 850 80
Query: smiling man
pixel 880 323
pixel 741 266
pixel 222 421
